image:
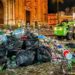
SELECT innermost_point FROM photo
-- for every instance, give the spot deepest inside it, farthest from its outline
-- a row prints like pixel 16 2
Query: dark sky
pixel 52 8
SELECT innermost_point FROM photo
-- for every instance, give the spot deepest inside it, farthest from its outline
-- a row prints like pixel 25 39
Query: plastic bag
pixel 3 50
pixel 3 38
pixel 18 32
pixel 44 54
pixel 13 43
pixel 11 63
pixel 24 58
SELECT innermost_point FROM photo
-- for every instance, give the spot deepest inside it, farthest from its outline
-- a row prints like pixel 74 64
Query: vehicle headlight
pixel 60 28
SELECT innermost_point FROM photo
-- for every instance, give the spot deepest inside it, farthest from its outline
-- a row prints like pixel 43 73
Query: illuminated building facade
pixel 23 11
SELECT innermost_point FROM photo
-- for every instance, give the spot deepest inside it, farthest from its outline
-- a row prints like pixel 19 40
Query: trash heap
pixel 22 47
pixel 61 54
pixel 71 55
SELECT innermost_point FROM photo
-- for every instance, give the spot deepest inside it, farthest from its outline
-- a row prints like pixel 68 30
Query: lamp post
pixel 58 10
pixel 57 3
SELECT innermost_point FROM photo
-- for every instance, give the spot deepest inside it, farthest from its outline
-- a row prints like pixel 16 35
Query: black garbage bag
pixel 12 43
pixel 29 43
pixel 11 63
pixel 43 54
pixel 3 60
pixel 70 45
pixel 11 53
pixel 3 51
pixel 26 44
pixel 31 40
pixel 12 46
pixel 25 57
pixel 30 35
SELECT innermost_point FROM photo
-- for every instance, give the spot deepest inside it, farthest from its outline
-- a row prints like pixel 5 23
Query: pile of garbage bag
pixel 15 51
pixel 23 48
pixel 44 54
pixel 24 58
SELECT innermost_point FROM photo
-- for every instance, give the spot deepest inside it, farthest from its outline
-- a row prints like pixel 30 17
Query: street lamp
pixel 58 10
pixel 57 2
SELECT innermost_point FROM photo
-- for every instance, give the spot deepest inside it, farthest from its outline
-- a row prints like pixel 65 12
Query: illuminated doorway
pixel 27 16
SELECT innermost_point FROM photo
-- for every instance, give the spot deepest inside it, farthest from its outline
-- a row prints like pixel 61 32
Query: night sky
pixel 52 8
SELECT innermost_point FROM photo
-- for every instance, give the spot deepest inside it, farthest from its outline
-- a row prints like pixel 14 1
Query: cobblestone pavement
pixel 39 69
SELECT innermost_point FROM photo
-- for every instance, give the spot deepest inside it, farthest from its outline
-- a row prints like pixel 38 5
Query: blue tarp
pixel 41 37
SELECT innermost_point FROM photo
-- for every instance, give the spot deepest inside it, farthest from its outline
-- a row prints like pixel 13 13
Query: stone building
pixel 13 12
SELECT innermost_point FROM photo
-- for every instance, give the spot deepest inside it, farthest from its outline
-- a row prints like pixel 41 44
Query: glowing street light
pixel 57 1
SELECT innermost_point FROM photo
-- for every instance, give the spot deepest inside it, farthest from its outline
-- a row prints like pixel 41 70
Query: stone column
pixel 39 11
pixel 19 11
pixel 5 12
pixel 9 12
pixel 45 11
pixel 10 15
pixel 33 12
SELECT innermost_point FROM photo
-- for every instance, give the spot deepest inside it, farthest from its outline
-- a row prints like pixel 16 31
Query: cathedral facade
pixel 13 12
